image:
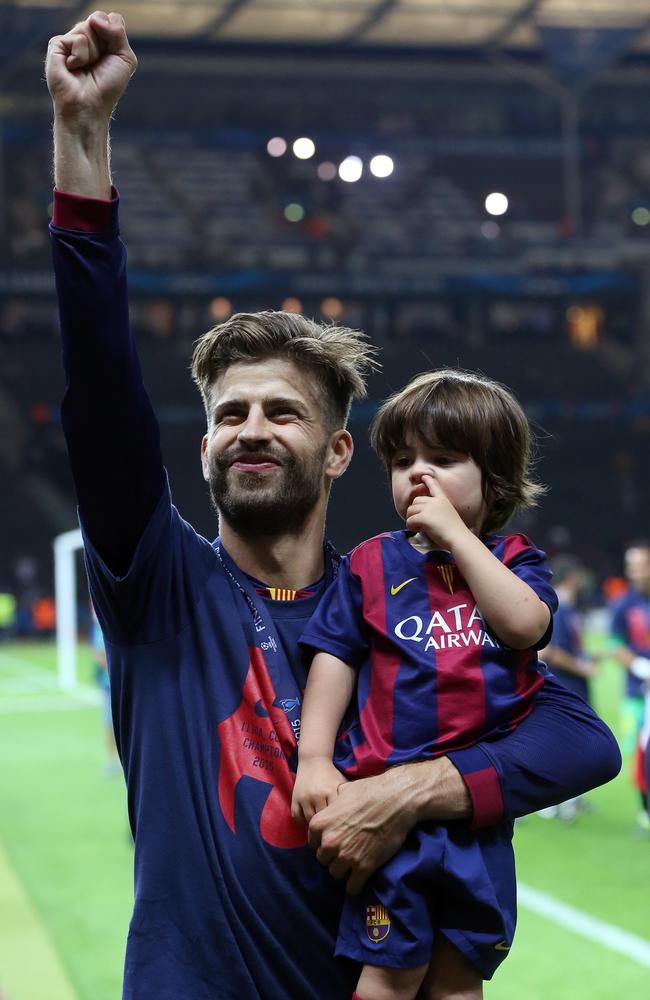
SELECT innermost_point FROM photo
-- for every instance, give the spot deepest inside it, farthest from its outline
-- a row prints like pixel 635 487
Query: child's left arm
pixel 329 688
pixel 511 608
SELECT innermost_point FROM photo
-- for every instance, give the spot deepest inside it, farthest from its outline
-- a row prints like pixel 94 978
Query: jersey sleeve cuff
pixel 483 784
pixel 86 215
pixel 314 643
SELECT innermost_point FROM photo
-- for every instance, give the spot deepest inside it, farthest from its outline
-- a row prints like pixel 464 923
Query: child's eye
pixel 444 460
pixel 401 462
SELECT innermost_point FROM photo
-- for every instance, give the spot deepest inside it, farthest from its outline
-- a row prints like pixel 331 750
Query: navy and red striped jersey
pixel 567 635
pixel 433 677
pixel 631 627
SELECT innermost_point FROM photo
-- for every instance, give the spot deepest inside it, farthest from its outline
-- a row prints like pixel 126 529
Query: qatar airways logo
pixel 455 628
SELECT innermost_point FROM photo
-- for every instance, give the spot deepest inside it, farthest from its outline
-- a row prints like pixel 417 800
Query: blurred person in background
pixel 205 671
pixel 27 589
pixel 647 764
pixel 630 632
pixel 565 654
pixel 640 770
pixel 7 613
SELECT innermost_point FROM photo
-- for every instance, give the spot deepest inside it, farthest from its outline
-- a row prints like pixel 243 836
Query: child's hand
pixel 317 784
pixel 435 515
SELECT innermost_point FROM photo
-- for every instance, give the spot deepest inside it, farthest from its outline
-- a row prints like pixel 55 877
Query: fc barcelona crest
pixel 377 923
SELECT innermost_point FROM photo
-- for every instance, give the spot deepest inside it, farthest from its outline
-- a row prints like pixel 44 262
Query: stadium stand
pixel 554 306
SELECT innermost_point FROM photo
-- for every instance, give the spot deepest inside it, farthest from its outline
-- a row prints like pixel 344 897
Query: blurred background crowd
pixel 483 203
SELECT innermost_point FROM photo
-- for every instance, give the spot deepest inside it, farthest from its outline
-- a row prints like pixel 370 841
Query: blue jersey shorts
pixel 447 880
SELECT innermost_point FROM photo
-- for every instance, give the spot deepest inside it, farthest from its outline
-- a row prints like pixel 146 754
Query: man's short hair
pixel 339 357
pixel 471 414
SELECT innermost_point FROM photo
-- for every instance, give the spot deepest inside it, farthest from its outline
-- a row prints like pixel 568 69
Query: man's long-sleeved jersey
pixel 229 900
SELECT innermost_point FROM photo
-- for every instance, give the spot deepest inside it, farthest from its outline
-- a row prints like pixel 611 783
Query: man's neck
pixel 290 560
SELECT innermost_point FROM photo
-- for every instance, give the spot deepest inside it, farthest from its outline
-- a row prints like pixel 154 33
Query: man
pixel 630 630
pixel 565 654
pixel 206 678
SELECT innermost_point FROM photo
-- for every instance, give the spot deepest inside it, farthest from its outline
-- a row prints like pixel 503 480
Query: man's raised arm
pixel 110 428
pixel 87 71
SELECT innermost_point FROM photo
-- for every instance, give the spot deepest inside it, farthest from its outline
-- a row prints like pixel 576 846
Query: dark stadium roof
pixel 559 45
pixel 436 24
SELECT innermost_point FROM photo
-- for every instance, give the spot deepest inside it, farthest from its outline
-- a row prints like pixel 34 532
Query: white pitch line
pixel 16 662
pixel 43 703
pixel 582 923
pixel 38 676
pixel 15 686
pixel 27 687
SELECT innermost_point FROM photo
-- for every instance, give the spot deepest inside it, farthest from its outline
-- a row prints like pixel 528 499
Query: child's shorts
pixel 447 880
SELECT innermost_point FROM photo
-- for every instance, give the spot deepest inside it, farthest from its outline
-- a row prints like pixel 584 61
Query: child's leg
pixel 379 983
pixel 450 976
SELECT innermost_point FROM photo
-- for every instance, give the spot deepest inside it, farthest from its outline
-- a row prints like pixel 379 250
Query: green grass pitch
pixel 66 860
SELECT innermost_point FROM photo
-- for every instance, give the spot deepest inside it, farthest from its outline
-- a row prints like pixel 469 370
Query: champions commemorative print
pixel 259 739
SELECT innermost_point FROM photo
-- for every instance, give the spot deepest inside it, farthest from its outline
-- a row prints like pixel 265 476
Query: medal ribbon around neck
pixel 278 664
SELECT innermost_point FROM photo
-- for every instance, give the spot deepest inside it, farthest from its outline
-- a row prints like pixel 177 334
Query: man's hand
pixel 88 69
pixel 317 784
pixel 360 830
pixel 87 72
pixel 435 515
pixel 370 818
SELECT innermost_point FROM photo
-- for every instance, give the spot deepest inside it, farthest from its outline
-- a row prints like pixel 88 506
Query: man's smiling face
pixel 264 455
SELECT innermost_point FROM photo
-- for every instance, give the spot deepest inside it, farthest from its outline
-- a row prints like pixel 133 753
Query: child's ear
pixel 489 496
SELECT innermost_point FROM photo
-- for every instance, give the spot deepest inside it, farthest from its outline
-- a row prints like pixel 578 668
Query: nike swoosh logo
pixel 396 590
pixel 502 946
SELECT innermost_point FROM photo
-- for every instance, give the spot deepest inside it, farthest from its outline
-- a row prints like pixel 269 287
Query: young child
pixel 434 630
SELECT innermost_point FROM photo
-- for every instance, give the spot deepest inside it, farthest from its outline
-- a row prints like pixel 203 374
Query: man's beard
pixel 266 503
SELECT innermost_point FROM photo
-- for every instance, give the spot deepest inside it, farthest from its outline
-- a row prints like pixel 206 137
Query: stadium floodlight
pixel 65 595
pixel 292 305
pixel 381 165
pixel 350 169
pixel 331 308
pixel 304 148
pixel 220 308
pixel 496 203
pixel 491 230
pixel 294 212
pixel 640 216
pixel 277 146
pixel 327 171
